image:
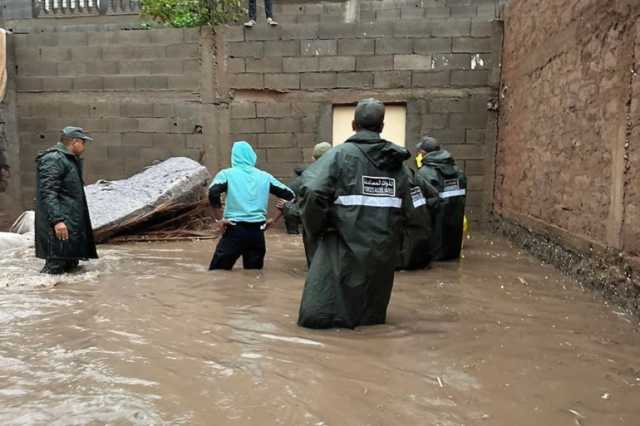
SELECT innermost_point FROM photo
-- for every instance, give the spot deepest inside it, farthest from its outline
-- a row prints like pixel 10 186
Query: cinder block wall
pixel 568 158
pixel 137 92
pixel 150 94
pixel 300 11
pixel 285 81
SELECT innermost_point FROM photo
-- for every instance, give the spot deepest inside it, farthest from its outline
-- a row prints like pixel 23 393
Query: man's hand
pixel 222 225
pixel 62 233
pixel 268 224
pixel 280 204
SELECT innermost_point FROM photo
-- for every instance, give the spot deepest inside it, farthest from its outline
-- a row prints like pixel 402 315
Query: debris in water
pixel 578 415
pixel 523 281
pixel 440 382
pixel 606 396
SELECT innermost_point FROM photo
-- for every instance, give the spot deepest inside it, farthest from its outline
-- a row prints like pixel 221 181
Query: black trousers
pixel 242 239
pixel 267 9
pixel 59 266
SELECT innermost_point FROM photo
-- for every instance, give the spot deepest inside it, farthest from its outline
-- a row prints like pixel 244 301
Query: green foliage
pixel 193 13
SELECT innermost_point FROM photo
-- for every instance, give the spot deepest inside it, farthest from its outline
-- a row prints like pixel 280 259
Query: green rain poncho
pixel 415 252
pixel 353 207
pixel 440 170
pixel 60 198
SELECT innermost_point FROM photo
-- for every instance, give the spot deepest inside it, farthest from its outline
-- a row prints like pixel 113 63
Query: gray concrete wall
pixel 137 92
pixel 150 94
pixel 283 82
pixel 16 9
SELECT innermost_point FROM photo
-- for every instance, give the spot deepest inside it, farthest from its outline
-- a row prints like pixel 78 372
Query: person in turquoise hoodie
pixel 245 213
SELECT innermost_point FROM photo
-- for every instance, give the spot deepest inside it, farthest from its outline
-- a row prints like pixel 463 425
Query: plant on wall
pixel 193 13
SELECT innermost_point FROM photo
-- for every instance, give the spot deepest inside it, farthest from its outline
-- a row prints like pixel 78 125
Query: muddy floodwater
pixel 147 336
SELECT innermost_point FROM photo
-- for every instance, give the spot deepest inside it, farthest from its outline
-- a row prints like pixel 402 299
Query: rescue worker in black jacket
pixel 63 227
pixel 438 168
pixel 290 209
pixel 416 253
pixel 352 206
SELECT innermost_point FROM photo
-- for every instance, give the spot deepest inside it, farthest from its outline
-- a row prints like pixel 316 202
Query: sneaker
pixel 271 22
pixel 250 23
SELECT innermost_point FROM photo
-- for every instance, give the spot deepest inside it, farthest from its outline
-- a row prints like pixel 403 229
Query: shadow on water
pixel 146 335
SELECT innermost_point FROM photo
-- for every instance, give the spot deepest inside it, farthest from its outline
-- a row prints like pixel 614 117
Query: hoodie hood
pixel 383 154
pixel 439 157
pixel 443 161
pixel 242 155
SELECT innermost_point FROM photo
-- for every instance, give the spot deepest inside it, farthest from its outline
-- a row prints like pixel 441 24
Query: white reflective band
pixel 364 200
pixel 419 203
pixel 456 193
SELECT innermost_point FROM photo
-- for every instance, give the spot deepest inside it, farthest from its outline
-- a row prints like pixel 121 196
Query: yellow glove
pixel 419 159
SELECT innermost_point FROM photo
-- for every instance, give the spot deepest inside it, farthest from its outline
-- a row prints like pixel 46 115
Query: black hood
pixel 441 160
pixel 383 154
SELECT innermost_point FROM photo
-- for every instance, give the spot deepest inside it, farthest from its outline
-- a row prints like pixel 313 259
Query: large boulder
pixel 160 191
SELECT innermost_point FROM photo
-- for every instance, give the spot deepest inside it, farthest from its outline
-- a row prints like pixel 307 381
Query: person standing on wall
pixel 64 234
pixel 352 206
pixel 437 166
pixel 268 9
pixel 245 213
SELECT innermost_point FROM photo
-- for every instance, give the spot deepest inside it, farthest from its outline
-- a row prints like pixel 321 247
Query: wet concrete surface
pixel 146 335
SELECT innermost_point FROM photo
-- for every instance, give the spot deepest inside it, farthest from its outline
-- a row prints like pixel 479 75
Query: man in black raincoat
pixel 352 207
pixel 290 209
pixel 415 251
pixel 63 227
pixel 440 170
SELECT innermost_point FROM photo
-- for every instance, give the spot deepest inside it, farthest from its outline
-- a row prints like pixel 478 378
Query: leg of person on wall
pixel 252 14
pixel 268 8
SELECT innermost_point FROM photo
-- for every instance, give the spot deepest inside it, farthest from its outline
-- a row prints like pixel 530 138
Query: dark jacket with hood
pixel 440 170
pixel 352 207
pixel 416 252
pixel 291 212
pixel 60 197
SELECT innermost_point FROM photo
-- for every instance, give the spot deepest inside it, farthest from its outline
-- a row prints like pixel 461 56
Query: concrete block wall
pixel 137 92
pixel 150 94
pixel 567 158
pixel 284 82
pixel 300 11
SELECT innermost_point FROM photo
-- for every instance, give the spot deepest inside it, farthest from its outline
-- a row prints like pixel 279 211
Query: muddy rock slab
pixel 162 190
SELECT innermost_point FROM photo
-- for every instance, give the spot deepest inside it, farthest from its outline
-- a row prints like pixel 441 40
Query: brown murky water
pixel 147 336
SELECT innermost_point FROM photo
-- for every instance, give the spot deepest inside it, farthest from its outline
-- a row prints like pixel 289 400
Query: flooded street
pixel 147 336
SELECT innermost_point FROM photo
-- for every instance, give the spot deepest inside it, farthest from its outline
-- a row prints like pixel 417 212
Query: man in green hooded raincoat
pixel 352 207
pixel 439 169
